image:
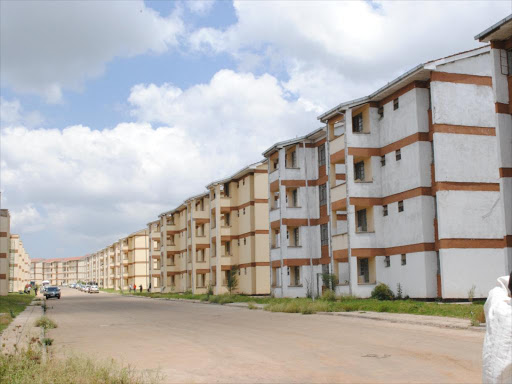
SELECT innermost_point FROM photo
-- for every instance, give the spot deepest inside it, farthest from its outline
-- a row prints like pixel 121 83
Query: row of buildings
pixel 410 186
pixel 15 262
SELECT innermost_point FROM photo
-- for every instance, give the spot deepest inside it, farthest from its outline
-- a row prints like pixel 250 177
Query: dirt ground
pixel 200 343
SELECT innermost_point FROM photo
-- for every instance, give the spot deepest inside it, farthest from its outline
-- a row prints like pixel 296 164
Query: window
pixel 296 236
pixel 362 225
pixel 364 270
pixel 294 273
pixel 324 235
pixel 322 192
pixel 395 104
pixel 383 160
pixel 321 155
pixel 295 198
pixel 359 170
pixel 227 219
pixel 292 160
pixel 226 189
pixel 243 211
pixel 276 164
pixel 245 241
pixel 384 210
pixel 401 206
pixel 387 261
pixel 380 111
pixel 404 259
pixel 398 155
pixel 228 248
pixel 357 123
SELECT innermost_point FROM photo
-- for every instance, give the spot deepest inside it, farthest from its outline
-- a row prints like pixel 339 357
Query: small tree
pixel 399 291
pixel 232 282
pixel 330 281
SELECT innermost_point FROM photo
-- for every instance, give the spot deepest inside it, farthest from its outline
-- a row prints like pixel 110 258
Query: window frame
pixel 357 123
pixel 321 155
pixel 359 171
pixel 396 104
pixel 365 221
pixel 401 207
pixel 324 235
pixel 322 194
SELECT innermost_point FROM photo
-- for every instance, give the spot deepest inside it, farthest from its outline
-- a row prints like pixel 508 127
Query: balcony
pixel 336 147
pixel 340 242
pixel 339 197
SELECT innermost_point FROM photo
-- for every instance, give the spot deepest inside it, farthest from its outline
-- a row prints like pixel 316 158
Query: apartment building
pixel 36 271
pixel 185 252
pixel 19 265
pixel 5 243
pixel 299 215
pixel 422 183
pixel 156 276
pixel 239 234
pixel 205 237
pixel 500 38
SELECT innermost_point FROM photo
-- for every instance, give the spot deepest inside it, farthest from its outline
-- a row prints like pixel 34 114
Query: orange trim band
pixel 463 130
pixel 460 78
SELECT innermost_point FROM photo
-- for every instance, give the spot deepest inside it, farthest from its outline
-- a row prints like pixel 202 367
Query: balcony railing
pixel 339 192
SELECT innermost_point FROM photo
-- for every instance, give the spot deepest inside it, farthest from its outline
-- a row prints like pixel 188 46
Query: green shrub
pixel 252 306
pixel 45 322
pixel 382 292
pixel 47 341
pixel 329 295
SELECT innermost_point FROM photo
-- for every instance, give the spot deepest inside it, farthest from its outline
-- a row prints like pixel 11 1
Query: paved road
pixel 210 343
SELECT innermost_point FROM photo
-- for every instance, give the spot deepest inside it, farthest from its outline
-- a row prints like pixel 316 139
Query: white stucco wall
pixel 463 268
pixel 469 215
pixel 465 158
pixel 417 278
pixel 476 65
pixel 412 226
pixel 462 104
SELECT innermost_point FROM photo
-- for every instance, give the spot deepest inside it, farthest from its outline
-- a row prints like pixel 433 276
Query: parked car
pixel 94 289
pixel 52 291
pixel 86 288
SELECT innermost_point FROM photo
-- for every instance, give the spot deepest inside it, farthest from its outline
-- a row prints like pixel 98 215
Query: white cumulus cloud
pixel 48 46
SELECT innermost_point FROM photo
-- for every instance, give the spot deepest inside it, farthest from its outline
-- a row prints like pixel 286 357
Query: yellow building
pixel 208 235
pixel 19 265
pixel 5 242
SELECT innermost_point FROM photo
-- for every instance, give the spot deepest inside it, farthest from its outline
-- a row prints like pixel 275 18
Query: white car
pixel 94 289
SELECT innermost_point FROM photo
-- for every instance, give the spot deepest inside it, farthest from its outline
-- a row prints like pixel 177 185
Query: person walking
pixel 140 287
pixel 149 288
pixel 35 289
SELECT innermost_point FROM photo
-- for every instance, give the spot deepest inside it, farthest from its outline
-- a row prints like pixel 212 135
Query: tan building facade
pixel 19 265
pixel 5 243
pixel 213 233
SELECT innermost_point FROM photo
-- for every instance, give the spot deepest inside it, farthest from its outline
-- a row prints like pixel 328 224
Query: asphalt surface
pixel 201 343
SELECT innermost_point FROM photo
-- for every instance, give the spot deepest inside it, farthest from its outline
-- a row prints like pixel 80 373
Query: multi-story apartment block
pixel 5 243
pixel 209 234
pixel 298 213
pixel 500 37
pixel 19 265
pixel 156 276
pixel 239 234
pixel 36 271
pixel 422 183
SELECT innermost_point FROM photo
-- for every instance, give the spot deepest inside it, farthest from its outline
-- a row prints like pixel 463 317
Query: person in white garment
pixel 497 351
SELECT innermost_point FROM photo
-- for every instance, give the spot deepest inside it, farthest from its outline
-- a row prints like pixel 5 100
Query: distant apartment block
pixel 5 245
pixel 299 213
pixel 19 265
pixel 207 236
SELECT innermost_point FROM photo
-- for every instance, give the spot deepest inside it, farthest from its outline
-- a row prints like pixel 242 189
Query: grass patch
pixel 11 306
pixel 27 367
pixel 329 303
pixel 351 304
pixel 252 306
pixel 45 322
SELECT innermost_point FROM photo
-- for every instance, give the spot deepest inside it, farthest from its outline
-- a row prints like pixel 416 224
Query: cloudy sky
pixel 115 111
